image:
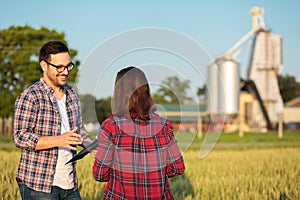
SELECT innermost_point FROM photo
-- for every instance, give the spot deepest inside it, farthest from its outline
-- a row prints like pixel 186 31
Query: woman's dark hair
pixel 132 94
pixel 52 47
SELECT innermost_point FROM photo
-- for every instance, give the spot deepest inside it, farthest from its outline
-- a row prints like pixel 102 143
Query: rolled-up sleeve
pixel 25 123
pixel 175 165
pixel 104 157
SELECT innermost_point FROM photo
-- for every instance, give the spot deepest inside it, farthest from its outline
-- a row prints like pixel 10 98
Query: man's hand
pixel 67 140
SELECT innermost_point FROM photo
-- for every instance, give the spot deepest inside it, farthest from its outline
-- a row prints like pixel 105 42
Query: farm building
pixel 291 114
pixel 184 117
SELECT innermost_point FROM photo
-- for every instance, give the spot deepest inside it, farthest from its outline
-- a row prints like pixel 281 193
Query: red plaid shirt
pixel 36 115
pixel 137 157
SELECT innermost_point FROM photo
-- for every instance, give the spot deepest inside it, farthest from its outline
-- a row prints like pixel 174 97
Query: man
pixel 47 127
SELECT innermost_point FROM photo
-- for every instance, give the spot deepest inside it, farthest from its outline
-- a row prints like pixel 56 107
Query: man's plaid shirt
pixel 36 115
pixel 137 157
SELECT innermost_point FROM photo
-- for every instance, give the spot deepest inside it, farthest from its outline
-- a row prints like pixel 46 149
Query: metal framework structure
pixel 264 67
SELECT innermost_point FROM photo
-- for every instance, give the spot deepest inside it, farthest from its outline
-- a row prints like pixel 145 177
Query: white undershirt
pixel 63 176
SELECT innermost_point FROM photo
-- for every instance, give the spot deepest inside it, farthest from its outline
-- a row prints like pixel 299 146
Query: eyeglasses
pixel 61 68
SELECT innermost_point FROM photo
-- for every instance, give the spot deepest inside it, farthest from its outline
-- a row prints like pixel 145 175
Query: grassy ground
pixel 256 166
pixel 228 141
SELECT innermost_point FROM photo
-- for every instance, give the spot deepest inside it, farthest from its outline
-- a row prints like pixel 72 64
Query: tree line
pixel 19 68
pixel 173 91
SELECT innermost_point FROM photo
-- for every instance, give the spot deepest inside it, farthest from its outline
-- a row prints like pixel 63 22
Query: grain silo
pixel 223 87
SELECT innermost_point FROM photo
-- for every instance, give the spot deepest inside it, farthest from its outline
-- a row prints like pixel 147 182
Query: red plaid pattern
pixel 137 157
pixel 36 115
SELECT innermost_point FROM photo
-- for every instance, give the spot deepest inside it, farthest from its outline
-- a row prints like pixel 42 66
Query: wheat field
pixel 255 174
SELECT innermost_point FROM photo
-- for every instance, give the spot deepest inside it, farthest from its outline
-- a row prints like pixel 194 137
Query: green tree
pixel 88 108
pixel 172 91
pixel 19 66
pixel 289 87
pixel 202 91
pixel 95 110
pixel 103 108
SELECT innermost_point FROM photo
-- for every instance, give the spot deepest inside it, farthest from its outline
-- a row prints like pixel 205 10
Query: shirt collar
pixel 47 88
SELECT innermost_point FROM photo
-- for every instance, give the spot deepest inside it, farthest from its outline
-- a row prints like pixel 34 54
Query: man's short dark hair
pixel 52 47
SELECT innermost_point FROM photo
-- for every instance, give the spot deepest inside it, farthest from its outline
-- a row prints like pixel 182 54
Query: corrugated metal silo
pixel 212 89
pixel 223 87
pixel 229 86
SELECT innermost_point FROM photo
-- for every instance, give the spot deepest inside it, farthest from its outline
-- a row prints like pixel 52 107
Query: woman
pixel 137 152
